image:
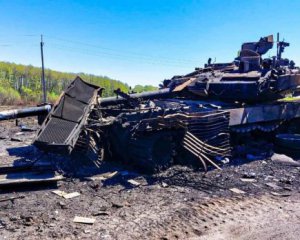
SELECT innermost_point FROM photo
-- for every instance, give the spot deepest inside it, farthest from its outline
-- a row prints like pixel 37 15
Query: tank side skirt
pixel 264 113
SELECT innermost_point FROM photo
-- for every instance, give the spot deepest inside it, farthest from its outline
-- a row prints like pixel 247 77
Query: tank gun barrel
pixel 161 93
pixel 24 112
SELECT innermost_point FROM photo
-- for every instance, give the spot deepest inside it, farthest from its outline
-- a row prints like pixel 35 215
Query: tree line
pixel 21 84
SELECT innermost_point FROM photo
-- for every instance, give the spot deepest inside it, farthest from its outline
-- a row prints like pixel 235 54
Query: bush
pixel 30 96
pixel 9 96
pixel 52 97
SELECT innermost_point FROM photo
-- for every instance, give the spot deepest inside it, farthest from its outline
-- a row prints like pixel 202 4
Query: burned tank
pixel 189 120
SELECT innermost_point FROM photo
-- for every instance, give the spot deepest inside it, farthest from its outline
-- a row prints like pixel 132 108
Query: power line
pixel 14 45
pixel 20 35
pixel 99 51
pixel 124 52
pixel 115 56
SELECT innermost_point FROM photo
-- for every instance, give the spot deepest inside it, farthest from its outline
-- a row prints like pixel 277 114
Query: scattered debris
pixel 25 128
pixel 267 178
pixel 62 205
pixel 164 185
pixel 15 139
pixel 225 160
pixel 288 188
pixel 133 182
pixel 286 180
pixel 96 178
pixel 59 193
pixel 283 159
pixel 110 175
pixel 116 205
pixel 281 194
pixel 27 220
pixel 103 176
pixel 101 213
pixel 11 198
pixel 19 133
pixel 273 185
pixel 95 186
pixel 248 180
pixel 71 195
pixel 29 177
pixel 66 195
pixel 236 190
pixel 250 175
pixel 84 220
pixel 256 185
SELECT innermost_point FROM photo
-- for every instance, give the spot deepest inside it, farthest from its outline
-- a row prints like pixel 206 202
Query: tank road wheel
pixel 152 153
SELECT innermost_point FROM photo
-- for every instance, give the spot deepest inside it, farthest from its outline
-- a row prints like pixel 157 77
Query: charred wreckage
pixel 190 120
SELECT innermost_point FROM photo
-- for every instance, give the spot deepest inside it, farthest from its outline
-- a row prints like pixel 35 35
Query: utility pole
pixel 278 46
pixel 43 72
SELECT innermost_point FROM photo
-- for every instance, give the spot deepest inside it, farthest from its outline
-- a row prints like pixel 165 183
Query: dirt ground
pixel 179 203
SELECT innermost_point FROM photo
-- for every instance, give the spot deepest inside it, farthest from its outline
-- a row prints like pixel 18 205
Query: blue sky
pixel 139 41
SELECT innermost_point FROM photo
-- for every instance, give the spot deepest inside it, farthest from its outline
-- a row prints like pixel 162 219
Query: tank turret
pixel 249 78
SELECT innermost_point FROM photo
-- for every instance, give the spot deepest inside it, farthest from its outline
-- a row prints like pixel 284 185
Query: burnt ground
pixel 179 203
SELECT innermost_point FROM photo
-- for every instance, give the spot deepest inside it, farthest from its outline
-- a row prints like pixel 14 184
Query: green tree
pixel 23 83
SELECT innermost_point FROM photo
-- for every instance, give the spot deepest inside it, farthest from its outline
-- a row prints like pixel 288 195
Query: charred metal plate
pixel 57 131
pixel 70 109
pixel 63 125
pixel 81 91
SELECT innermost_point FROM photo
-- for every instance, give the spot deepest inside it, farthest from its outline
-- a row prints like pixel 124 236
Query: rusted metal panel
pixel 184 85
